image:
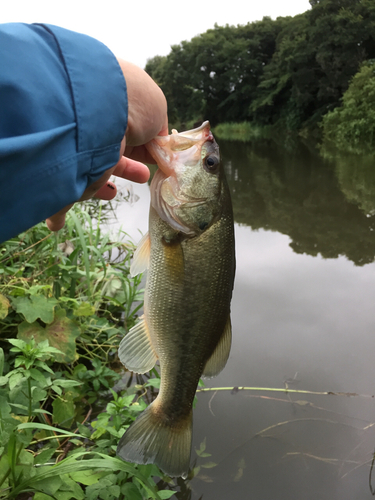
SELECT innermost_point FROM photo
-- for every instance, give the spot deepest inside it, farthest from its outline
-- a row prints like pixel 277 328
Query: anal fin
pixel 136 351
pixel 220 355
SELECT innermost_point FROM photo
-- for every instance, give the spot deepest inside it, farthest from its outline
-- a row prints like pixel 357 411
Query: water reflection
pixel 357 181
pixel 302 314
pixel 325 207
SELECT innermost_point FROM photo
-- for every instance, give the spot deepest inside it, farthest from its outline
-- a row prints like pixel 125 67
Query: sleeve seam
pixel 75 110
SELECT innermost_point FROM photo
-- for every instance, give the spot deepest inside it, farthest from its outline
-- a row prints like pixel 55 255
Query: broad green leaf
pixel 4 306
pixel 146 470
pixel 15 379
pixel 66 384
pixel 71 495
pixel 3 380
pixel 57 389
pixel 98 433
pixel 50 486
pixel 130 490
pixel 16 405
pixel 38 376
pixel 61 334
pixel 165 494
pixel 84 309
pixel 153 382
pixel 17 343
pixel 85 431
pixel 63 410
pixel 24 465
pixel 27 331
pixel 43 365
pixel 42 496
pixel 44 456
pixel 34 307
pixel 38 394
pixel 4 407
pixel 70 489
pixel 86 477
pixel 114 490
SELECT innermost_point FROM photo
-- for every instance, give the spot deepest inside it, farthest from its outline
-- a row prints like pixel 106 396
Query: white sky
pixel 137 30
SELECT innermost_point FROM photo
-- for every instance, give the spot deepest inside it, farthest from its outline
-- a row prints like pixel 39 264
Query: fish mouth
pixel 183 147
pixel 203 132
pixel 174 154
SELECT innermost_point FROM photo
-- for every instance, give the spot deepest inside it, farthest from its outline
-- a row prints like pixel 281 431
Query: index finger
pixel 139 154
pixel 131 170
pixel 164 130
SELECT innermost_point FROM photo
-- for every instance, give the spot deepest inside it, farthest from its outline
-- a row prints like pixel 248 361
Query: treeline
pixel 287 72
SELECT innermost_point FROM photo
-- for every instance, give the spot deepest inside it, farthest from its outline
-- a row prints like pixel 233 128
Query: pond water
pixel 303 318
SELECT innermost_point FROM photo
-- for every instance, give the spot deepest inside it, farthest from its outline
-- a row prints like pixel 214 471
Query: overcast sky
pixel 137 30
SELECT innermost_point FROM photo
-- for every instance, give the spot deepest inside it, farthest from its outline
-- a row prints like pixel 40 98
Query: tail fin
pixel 152 439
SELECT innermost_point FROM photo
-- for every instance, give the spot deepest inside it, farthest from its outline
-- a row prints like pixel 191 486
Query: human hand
pixel 147 117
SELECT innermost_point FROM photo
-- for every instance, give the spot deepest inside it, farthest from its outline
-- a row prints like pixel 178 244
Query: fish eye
pixel 211 163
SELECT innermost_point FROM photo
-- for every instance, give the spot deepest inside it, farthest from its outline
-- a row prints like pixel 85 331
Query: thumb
pixel 57 221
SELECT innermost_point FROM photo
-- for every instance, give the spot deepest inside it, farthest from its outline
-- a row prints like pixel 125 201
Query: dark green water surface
pixel 303 317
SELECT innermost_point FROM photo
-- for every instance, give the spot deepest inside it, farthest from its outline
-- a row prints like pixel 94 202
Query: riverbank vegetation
pixel 351 126
pixel 244 131
pixel 286 73
pixel 66 300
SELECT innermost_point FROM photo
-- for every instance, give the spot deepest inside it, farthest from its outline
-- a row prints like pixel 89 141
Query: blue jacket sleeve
pixel 63 114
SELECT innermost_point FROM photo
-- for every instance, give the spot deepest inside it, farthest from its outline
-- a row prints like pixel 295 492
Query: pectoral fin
pixel 136 351
pixel 220 355
pixel 141 256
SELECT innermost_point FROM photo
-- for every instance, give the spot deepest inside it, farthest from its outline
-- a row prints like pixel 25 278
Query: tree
pixel 352 126
pixel 217 73
pixel 287 85
pixel 287 72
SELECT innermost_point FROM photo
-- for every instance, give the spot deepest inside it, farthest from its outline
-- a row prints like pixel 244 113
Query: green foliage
pixel 66 301
pixel 93 473
pixel 71 298
pixel 351 127
pixel 286 73
pixel 216 74
pixel 243 132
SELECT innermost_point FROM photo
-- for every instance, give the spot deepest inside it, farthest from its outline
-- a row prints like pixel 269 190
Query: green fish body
pixel 189 252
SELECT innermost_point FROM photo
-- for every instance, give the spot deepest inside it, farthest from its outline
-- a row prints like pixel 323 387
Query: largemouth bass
pixel 189 253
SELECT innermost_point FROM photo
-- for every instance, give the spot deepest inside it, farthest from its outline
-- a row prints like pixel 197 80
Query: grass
pixel 66 301
pixel 243 132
